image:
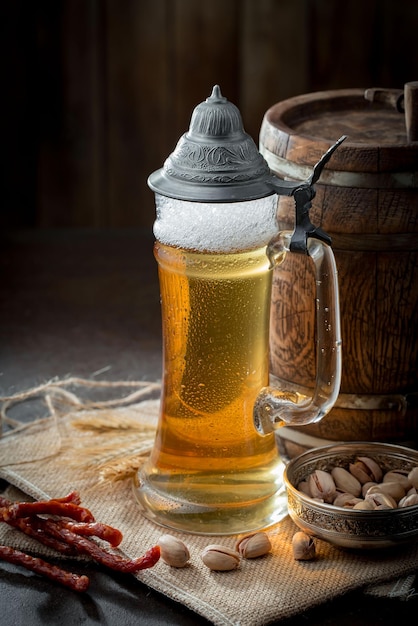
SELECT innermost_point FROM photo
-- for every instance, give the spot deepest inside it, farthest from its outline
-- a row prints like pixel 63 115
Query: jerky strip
pixel 95 529
pixel 73 497
pixel 49 507
pixel 39 566
pixel 33 527
pixel 98 554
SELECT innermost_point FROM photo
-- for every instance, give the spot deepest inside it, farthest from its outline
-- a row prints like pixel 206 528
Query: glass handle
pixel 273 407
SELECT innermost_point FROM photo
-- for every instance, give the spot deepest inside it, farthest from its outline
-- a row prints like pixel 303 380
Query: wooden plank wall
pixel 97 92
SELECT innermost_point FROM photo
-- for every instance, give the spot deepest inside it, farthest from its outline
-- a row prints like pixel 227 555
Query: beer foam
pixel 217 227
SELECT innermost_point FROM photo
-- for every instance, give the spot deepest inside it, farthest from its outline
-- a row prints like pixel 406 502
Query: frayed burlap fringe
pixel 260 592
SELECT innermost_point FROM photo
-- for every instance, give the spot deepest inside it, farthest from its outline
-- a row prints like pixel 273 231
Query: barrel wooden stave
pixel 373 225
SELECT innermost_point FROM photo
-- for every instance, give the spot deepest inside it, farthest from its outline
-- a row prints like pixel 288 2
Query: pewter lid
pixel 216 160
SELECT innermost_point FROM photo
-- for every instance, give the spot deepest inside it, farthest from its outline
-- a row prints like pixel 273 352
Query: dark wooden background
pixel 97 92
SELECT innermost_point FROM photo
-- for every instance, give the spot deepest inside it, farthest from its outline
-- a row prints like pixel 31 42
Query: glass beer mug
pixel 215 467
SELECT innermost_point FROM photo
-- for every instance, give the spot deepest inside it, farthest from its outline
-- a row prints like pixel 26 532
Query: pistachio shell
pixel 254 545
pixel 303 547
pixel 394 489
pixel 413 477
pixel 364 505
pixel 322 486
pixel 365 488
pixel 347 500
pixel 220 558
pixel 374 470
pixel 360 471
pixel 346 481
pixel 173 551
pixel 303 486
pixel 410 500
pixel 397 476
pixel 381 500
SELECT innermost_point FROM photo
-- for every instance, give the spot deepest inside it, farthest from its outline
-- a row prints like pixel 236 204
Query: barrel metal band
pixel 304 441
pixel 359 180
pixel 398 403
pixel 367 242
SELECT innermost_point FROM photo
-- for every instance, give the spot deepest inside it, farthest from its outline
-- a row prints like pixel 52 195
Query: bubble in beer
pixel 217 227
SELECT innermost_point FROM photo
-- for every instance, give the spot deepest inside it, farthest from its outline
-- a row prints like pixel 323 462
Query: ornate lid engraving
pixel 216 160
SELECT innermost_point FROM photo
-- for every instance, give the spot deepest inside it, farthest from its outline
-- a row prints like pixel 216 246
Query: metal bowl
pixel 348 528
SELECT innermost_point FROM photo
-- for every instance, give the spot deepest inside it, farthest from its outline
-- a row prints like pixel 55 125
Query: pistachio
pixel 346 481
pixel 365 488
pixel 381 500
pixel 220 558
pixel 303 486
pixel 360 471
pixel 394 489
pixel 364 505
pixel 413 477
pixel 254 545
pixel 373 469
pixel 173 551
pixel 397 476
pixel 410 500
pixel 347 500
pixel 303 547
pixel 322 486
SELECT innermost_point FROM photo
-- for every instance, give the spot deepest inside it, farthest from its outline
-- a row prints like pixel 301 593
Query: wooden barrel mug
pixel 367 201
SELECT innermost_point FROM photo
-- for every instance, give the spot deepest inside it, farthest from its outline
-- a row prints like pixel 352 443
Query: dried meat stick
pixel 4 504
pixel 39 566
pixel 33 528
pixel 95 529
pixel 57 530
pixel 48 507
pixel 73 497
pixel 98 554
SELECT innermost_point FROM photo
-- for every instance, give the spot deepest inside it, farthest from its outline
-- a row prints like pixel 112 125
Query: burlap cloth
pixel 50 459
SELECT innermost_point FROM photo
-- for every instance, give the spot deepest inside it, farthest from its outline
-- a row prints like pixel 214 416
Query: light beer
pixel 209 463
